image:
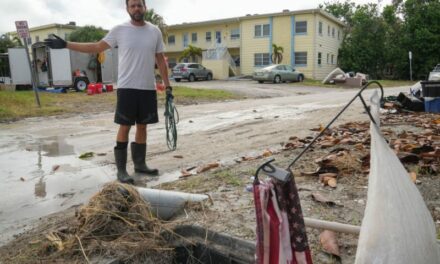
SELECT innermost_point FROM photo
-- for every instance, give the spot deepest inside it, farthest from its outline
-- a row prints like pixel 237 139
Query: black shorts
pixel 136 106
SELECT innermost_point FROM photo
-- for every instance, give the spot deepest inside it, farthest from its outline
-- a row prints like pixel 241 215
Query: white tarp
pixel 397 226
pixel 166 204
pixel 332 75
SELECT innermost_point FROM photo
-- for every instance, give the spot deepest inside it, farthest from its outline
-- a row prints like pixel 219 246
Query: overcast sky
pixel 108 13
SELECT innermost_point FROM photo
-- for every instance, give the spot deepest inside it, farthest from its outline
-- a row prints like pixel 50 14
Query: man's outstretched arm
pixel 59 43
pixel 96 47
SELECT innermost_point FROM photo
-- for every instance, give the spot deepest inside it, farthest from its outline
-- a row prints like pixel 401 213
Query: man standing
pixel 140 46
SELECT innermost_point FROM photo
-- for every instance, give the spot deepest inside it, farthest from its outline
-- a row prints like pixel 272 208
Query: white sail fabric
pixel 397 226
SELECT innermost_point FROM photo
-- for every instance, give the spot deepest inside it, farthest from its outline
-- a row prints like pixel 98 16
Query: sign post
pixel 410 65
pixel 23 33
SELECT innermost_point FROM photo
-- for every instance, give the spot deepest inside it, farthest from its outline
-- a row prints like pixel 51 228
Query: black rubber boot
pixel 121 165
pixel 138 153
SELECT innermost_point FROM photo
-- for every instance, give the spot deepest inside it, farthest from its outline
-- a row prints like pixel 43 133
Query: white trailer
pixel 20 72
pixel 65 68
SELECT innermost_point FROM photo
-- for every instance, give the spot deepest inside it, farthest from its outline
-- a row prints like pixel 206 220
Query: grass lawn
pixel 22 104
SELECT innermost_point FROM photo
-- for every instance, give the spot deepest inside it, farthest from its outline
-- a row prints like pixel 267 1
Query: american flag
pixel 281 233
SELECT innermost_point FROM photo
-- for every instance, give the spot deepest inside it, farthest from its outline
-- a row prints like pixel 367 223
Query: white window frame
pixel 302 25
pixel 298 55
pixel 235 33
pixel 194 39
pixel 171 42
pixel 261 28
pixel 261 59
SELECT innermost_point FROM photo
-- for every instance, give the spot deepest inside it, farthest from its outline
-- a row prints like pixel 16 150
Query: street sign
pixel 22 29
pixel 23 32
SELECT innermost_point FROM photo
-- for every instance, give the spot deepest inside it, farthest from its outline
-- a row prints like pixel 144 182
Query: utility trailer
pixel 66 68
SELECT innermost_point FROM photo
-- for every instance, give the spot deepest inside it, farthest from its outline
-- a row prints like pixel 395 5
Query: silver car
pixel 191 72
pixel 277 73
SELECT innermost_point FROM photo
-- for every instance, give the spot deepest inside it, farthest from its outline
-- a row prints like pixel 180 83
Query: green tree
pixel 393 52
pixel 277 54
pixel 343 11
pixel 363 47
pixel 156 19
pixel 6 43
pixel 87 34
pixel 191 52
pixel 421 36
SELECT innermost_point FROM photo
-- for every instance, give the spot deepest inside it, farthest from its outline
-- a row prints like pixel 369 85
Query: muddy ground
pixel 232 209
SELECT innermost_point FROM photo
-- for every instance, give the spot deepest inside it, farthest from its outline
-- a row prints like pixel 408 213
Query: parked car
pixel 191 72
pixel 277 73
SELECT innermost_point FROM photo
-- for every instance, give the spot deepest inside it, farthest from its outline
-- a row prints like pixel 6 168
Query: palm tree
pixel 157 20
pixel 277 54
pixel 191 52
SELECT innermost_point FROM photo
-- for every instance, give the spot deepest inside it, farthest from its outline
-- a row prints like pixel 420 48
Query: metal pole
pixel 34 83
pixel 410 65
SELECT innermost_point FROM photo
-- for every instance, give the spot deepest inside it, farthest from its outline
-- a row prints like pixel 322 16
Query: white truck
pixel 60 67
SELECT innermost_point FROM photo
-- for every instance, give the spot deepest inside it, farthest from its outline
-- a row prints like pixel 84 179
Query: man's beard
pixel 138 17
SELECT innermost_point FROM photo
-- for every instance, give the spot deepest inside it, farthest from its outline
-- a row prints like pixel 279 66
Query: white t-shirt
pixel 137 47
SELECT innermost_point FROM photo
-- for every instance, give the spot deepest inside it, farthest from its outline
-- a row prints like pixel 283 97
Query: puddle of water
pixel 40 177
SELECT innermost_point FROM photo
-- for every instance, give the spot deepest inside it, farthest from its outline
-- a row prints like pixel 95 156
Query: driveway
pixel 253 89
pixel 42 174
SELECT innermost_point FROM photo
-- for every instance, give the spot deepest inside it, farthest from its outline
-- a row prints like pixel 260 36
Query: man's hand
pixel 169 92
pixel 56 42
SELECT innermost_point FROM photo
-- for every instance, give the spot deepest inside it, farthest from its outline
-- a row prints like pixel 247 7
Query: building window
pixel 208 37
pixel 339 34
pixel 319 58
pixel 333 57
pixel 328 58
pixel 301 27
pixel 261 59
pixel 29 41
pixel 320 28
pixel 194 37
pixel 172 62
pixel 328 30
pixel 301 58
pixel 171 40
pixel 262 30
pixel 37 38
pixel 235 33
pixel 333 32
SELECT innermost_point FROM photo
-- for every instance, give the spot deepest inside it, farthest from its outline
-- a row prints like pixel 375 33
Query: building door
pixel 185 40
pixel 218 36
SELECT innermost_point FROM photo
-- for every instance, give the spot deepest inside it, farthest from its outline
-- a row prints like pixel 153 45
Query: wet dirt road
pixel 41 173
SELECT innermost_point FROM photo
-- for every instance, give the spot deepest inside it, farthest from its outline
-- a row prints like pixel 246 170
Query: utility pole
pixel 410 65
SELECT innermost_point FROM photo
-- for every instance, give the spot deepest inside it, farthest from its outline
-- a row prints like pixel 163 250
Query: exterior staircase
pixel 220 61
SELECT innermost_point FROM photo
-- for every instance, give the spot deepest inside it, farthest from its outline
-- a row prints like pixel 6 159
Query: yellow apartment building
pixel 238 46
pixel 40 33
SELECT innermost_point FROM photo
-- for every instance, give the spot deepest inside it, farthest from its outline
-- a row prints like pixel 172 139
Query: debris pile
pixel 116 224
pixel 350 143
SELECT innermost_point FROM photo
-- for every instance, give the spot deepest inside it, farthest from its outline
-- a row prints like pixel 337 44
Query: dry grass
pixel 116 224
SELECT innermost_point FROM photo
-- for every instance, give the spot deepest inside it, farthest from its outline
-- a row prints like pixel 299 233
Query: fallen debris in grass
pixel 86 155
